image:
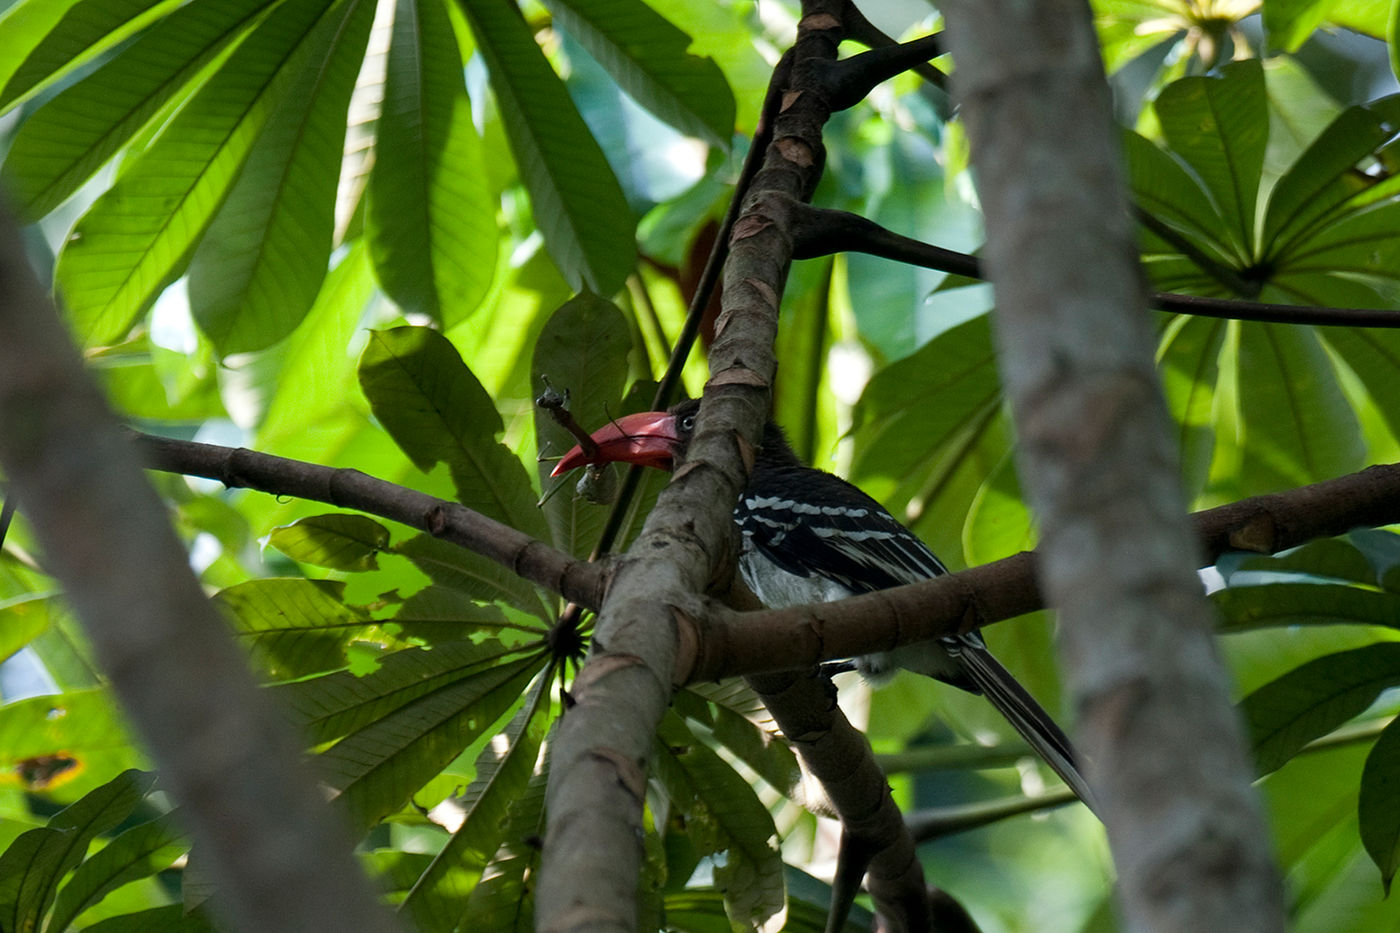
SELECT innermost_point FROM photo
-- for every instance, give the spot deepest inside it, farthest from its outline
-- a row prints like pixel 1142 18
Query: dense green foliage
pixel 362 234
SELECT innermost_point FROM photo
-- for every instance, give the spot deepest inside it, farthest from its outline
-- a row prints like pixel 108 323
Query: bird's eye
pixel 688 423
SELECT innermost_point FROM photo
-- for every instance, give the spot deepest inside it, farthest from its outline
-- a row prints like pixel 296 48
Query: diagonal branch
pixel 576 580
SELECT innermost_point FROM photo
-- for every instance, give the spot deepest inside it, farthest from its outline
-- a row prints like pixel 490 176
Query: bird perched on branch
pixel 809 536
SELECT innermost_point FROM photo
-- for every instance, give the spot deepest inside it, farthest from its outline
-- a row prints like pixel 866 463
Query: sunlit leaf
pixel 1220 127
pixel 431 219
pixel 257 272
pixel 1298 426
pixel 338 541
pixel 1324 177
pixel 60 145
pixel 437 900
pixel 577 200
pixel 647 57
pixel 47 39
pixel 295 627
pixel 437 411
pixel 138 237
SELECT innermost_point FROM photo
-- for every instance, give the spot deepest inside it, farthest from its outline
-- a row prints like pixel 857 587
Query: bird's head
pixel 648 438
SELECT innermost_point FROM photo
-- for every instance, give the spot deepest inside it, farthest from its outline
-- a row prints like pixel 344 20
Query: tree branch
pixel 576 580
pixel 1163 744
pixel 281 858
pixel 819 231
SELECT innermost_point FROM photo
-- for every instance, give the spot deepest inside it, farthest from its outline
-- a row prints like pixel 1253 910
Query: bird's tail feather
pixel 1023 712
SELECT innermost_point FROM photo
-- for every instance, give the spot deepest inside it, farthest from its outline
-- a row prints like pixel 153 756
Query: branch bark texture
pixel 1118 554
pixel 602 748
pixel 281 859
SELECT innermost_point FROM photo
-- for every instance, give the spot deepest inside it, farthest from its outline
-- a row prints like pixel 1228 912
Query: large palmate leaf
pixel 431 220
pixel 437 411
pixel 582 351
pixel 296 627
pixel 928 430
pixel 438 898
pixel 33 865
pixel 647 57
pixel 257 272
pixel 398 726
pixel 139 235
pixel 504 900
pixel 577 200
pixel 472 575
pixel 48 39
pixel 725 816
pixel 60 145
pixel 139 852
pixel 1220 127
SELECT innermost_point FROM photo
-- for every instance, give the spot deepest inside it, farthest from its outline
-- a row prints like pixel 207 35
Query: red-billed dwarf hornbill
pixel 809 536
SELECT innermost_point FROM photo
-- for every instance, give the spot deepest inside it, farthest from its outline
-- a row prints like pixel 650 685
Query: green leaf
pixel 437 900
pixel 582 352
pixel 1378 808
pixel 577 201
pixel 31 868
pixel 725 816
pixel 1289 23
pixel 76 724
pixel 375 769
pixel 472 574
pixel 137 238
pixel 928 428
pixel 437 411
pixel 1323 178
pixel 742 724
pixel 439 614
pixel 257 272
pixel 1275 604
pixel 171 918
pixel 1310 701
pixel 431 218
pixel 47 44
pixel 1188 359
pixel 1330 558
pixel 65 141
pixel 138 853
pixel 1220 126
pixel 505 898
pixel 1298 426
pixel 335 705
pixel 1373 354
pixel 337 540
pixel 295 627
pixel 646 56
pixel 314 375
pixel 1164 187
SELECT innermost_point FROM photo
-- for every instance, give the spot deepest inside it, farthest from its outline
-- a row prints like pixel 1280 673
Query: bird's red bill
pixel 647 438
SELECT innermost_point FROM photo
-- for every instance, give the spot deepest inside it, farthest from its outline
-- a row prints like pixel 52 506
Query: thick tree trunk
pixel 279 856
pixel 1117 554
